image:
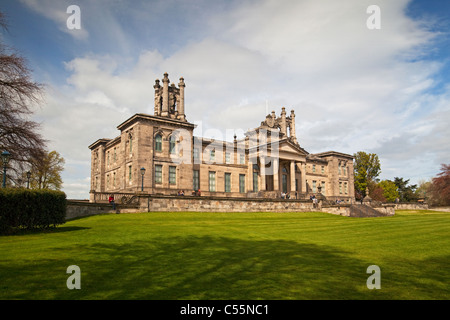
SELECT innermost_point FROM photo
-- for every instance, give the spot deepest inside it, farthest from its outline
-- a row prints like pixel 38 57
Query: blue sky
pixel 353 89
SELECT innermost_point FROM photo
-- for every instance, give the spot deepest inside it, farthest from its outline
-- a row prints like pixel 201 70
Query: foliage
pixel 366 167
pixel 46 171
pixel 18 94
pixel 376 191
pixel 406 192
pixel 390 191
pixel 440 186
pixel 23 208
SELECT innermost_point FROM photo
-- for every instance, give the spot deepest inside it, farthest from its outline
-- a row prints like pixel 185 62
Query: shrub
pixel 23 208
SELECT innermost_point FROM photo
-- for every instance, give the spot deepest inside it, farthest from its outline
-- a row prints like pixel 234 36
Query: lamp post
pixel 28 179
pixel 142 173
pixel 5 160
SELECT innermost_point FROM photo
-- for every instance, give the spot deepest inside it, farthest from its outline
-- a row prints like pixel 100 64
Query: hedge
pixel 24 208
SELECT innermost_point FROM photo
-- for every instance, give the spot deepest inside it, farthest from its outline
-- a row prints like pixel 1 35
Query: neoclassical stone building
pixel 267 162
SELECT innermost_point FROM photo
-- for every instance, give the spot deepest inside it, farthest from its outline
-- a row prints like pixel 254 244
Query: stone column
pixel 181 114
pixel 292 127
pixel 283 128
pixel 157 98
pixel 165 103
pixel 303 172
pixel 292 178
pixel 275 166
pixel 250 175
pixel 262 172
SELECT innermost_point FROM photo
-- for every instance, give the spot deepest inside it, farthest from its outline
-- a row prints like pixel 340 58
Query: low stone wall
pixel 411 206
pixel 340 210
pixel 77 209
pixel 158 203
pixel 165 203
pixel 214 204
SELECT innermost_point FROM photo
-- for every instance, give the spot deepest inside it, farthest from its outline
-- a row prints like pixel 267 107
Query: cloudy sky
pixel 353 88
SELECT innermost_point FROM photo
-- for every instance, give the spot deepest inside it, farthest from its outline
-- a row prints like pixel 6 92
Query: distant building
pixel 268 162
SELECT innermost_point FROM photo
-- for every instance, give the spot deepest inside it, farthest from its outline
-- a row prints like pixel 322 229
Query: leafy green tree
pixel 406 192
pixel 423 190
pixel 390 191
pixel 46 171
pixel 366 168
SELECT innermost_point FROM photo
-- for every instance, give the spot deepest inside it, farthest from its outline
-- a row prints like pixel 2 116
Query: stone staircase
pixel 362 210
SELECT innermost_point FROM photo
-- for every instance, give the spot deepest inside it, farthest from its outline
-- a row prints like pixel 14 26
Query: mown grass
pixel 232 256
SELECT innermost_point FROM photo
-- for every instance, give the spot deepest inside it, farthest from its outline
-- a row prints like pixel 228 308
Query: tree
pixel 406 192
pixel 390 191
pixel 440 186
pixel 423 190
pixel 366 167
pixel 18 93
pixel 376 192
pixel 46 171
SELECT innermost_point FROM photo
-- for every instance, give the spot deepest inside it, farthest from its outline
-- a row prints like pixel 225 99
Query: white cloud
pixel 57 12
pixel 352 88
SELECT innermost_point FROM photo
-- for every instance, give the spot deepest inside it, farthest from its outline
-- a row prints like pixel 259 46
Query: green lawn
pixel 232 256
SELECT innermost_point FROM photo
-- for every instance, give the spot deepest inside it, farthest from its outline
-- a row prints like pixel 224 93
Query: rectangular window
pixel 158 173
pixel 227 157
pixel 107 162
pixel 255 181
pixel 242 183
pixel 212 155
pixel 314 190
pixel 284 183
pixel 196 180
pixel 196 154
pixel 129 173
pixel 212 181
pixel 345 170
pixel 323 169
pixel 227 182
pixel 314 168
pixel 107 181
pixel 345 187
pixel 172 175
pixel 115 155
pixel 340 187
pixel 339 167
pixel 242 159
pixel 114 179
pixel 323 187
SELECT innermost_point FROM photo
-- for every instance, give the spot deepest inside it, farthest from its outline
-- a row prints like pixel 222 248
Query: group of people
pixel 180 192
pixel 314 200
pixel 285 195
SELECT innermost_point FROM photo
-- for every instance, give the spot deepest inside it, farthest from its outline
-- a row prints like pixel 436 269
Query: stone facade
pixel 266 163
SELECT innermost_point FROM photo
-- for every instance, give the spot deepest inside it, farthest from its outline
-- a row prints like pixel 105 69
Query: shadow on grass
pixel 195 267
pixel 59 229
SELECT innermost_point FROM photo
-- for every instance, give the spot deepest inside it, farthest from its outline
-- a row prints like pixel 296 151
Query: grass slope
pixel 232 256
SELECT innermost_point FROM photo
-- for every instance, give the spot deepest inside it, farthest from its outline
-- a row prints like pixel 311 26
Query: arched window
pixel 158 142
